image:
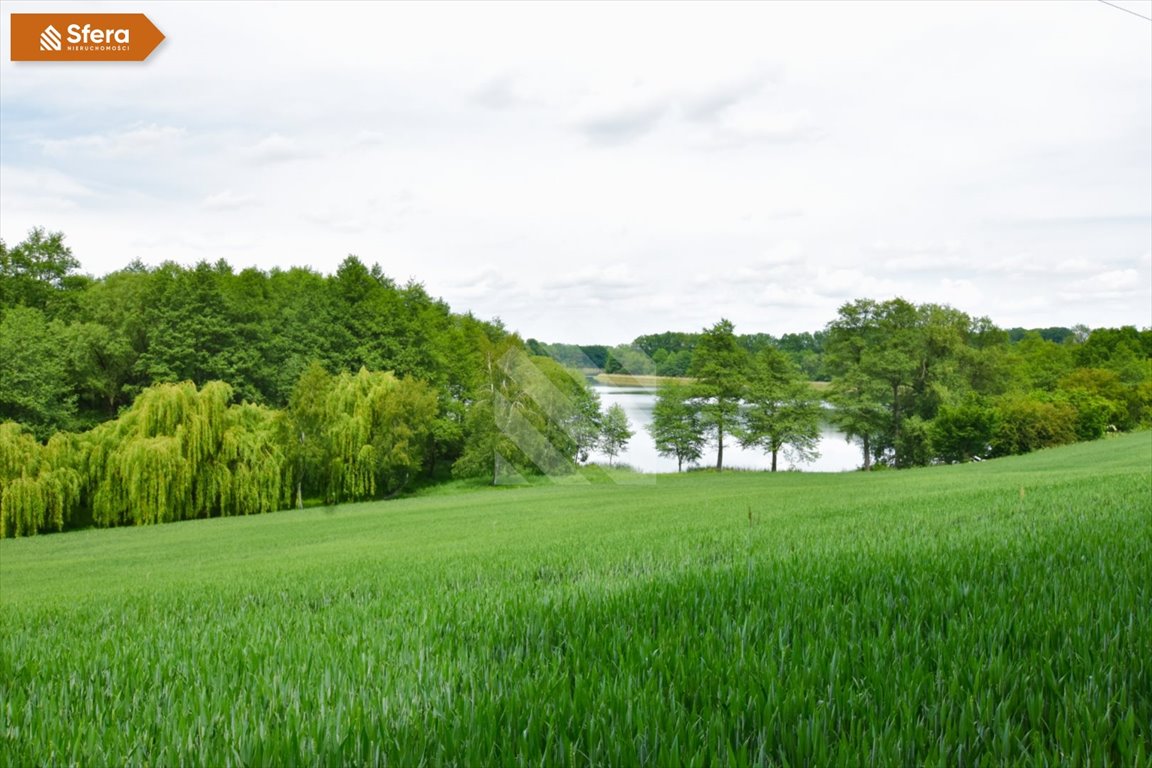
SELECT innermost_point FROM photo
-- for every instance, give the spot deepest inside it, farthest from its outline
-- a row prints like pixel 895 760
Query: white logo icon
pixel 50 39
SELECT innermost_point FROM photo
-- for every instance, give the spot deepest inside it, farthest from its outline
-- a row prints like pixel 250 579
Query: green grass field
pixel 986 614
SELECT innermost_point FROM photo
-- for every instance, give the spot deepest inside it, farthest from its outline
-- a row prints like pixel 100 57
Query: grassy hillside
pixel 992 614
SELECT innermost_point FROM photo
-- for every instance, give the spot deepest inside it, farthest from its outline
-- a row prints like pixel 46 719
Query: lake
pixel 836 453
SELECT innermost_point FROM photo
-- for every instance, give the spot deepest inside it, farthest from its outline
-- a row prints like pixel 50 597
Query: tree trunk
pixel 773 459
pixel 867 453
pixel 896 424
pixel 720 450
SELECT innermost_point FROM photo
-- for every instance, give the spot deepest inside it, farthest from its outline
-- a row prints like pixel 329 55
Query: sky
pixel 590 172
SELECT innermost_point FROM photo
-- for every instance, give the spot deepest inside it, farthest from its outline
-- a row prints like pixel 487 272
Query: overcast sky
pixel 591 172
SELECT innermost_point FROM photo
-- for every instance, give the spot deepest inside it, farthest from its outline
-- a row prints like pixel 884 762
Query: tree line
pixel 171 392
pixel 670 353
pixel 912 385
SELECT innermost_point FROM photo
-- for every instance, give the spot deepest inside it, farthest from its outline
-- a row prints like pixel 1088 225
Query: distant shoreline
pixel 629 380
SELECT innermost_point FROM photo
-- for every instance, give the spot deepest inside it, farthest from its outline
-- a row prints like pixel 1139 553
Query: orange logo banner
pixel 83 37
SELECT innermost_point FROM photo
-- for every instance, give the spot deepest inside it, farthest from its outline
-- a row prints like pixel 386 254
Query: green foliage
pixel 350 438
pixel 527 415
pixel 177 453
pixel 181 453
pixel 1040 363
pixel 256 331
pixel 720 367
pixel 615 432
pixel 915 364
pixel 305 432
pixel 376 433
pixel 37 272
pixel 858 410
pixel 984 614
pixel 193 334
pixel 898 356
pixel 1103 399
pixel 33 387
pixel 1025 424
pixel 964 431
pixel 676 427
pixel 627 358
pixel 781 411
pixel 1114 347
pixel 40 485
pixel 100 363
pixel 914 442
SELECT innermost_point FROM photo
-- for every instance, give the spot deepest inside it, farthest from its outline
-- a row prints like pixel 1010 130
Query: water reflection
pixel 836 453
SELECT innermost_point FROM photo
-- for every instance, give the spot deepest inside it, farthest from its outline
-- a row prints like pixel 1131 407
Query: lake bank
pixel 837 454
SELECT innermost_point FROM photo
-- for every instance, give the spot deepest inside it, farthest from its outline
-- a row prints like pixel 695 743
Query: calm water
pixel 836 453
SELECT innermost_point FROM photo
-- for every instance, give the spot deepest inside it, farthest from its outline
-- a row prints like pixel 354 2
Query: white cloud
pixel 712 100
pixel 782 295
pixel 41 189
pixel 852 283
pixel 1114 284
pixel 610 283
pixel 622 124
pixel 227 200
pixel 501 93
pixel 275 148
pixel 750 125
pixel 139 139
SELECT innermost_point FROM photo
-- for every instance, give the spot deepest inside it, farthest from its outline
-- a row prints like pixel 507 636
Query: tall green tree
pixel 100 362
pixel 305 436
pixel 484 442
pixel 192 335
pixel 34 387
pixel 781 411
pixel 860 412
pixel 615 432
pixel 377 430
pixel 857 397
pixel 677 428
pixel 527 414
pixel 904 358
pixel 37 271
pixel 720 367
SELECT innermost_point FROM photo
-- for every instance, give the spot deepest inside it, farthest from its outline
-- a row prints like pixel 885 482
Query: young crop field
pixel 971 615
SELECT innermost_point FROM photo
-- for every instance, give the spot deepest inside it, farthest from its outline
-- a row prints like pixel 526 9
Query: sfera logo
pixel 50 39
pixel 85 37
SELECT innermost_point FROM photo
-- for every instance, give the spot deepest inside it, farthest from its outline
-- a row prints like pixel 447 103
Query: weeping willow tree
pixel 375 434
pixel 40 486
pixel 179 453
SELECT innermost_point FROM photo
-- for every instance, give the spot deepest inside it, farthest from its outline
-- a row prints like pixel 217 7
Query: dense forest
pixel 170 392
